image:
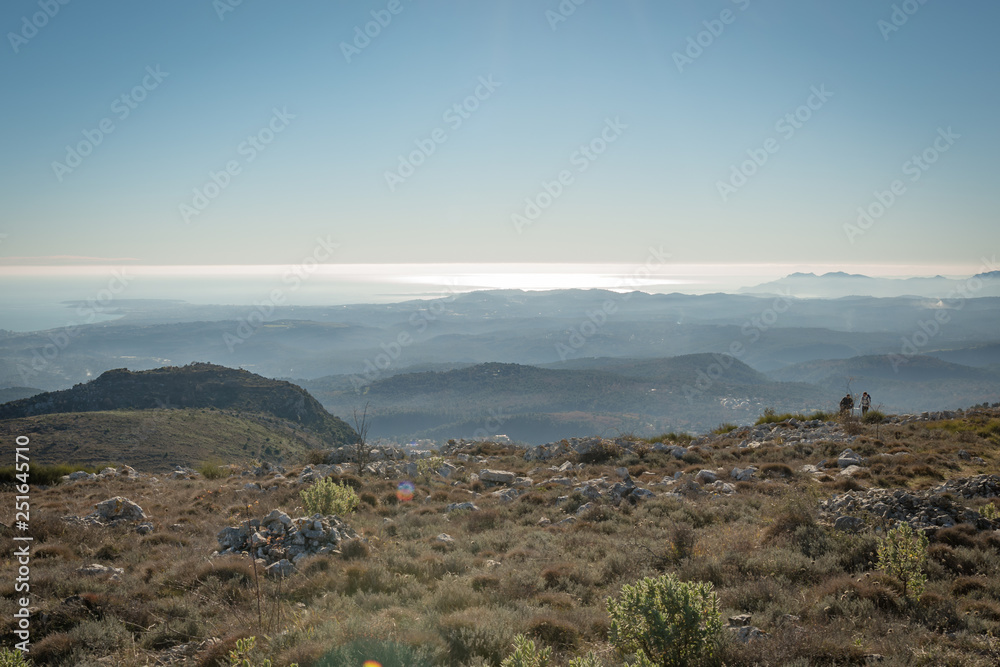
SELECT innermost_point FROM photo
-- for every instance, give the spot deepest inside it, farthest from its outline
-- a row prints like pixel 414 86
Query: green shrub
pixel 601 453
pixel 12 658
pixel 902 554
pixel 213 470
pixel 326 497
pixel 526 655
pixel 665 621
pixel 874 417
pixel 722 429
pixel 589 660
pixel 43 474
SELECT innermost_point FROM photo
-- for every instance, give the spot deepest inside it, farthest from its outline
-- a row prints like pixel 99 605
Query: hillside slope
pixel 197 385
pixel 155 440
pixel 532 404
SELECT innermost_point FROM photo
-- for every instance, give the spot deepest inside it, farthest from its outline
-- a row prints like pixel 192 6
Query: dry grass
pixel 404 595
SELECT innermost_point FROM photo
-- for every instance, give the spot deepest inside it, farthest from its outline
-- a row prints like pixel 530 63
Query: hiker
pixel 866 402
pixel 846 405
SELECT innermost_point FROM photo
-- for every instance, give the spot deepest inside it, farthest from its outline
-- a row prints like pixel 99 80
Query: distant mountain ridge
pixel 579 397
pixel 838 284
pixel 197 385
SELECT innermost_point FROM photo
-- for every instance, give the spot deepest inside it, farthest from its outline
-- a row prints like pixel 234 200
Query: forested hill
pixel 197 385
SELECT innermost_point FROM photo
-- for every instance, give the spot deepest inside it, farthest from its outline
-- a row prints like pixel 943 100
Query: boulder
pixel 276 516
pixel 496 476
pixel 743 474
pixel 507 495
pixel 98 570
pixel 849 524
pixel 118 508
pixel 705 477
pixel 719 486
pixel 848 458
pixel 642 494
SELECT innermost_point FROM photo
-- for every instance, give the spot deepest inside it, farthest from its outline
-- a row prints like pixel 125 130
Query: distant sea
pixel 40 298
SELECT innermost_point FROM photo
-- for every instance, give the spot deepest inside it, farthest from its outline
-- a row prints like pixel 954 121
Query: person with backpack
pixel 846 405
pixel 866 402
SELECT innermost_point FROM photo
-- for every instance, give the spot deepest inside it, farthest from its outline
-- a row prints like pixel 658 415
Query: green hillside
pixel 532 404
pixel 196 385
pixel 155 440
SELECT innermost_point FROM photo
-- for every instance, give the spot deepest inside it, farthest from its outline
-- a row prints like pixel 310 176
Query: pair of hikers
pixel 847 404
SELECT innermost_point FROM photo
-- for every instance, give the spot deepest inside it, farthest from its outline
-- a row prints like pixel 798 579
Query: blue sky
pixel 673 130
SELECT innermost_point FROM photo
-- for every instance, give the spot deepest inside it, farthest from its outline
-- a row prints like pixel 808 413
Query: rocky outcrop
pixel 980 486
pixel 98 570
pixel 279 537
pixel 124 473
pixel 496 477
pixel 926 510
pixel 111 512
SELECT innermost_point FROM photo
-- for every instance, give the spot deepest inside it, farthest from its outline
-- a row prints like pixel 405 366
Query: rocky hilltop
pixel 198 385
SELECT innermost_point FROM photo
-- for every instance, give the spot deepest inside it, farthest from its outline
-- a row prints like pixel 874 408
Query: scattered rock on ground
pixel 278 537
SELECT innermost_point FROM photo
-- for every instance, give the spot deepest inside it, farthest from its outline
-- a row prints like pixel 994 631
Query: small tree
pixel 902 554
pixel 324 497
pixel 665 621
pixel 361 453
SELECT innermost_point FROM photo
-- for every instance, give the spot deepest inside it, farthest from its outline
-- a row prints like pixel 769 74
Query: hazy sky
pixel 623 121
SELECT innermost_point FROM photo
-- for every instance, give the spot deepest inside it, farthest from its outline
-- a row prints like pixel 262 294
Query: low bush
pixel 326 497
pixel 526 655
pixel 602 452
pixel 666 621
pixel 212 470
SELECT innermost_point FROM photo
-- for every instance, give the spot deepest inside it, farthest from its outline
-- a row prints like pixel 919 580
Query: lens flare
pixel 372 663
pixel 404 492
